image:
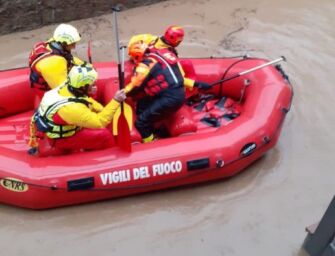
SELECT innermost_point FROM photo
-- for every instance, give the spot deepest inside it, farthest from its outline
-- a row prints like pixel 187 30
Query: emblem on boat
pixel 248 149
pixel 14 185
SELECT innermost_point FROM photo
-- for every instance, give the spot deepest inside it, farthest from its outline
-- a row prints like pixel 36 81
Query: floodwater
pixel 262 211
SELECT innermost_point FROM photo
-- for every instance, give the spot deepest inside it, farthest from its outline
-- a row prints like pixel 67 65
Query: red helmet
pixel 136 50
pixel 174 35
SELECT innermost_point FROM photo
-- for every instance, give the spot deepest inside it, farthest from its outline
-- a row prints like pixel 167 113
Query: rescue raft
pixel 214 135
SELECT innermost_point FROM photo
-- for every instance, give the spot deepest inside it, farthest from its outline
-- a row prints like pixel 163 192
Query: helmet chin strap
pixel 78 92
pixel 171 48
pixel 57 46
pixel 164 40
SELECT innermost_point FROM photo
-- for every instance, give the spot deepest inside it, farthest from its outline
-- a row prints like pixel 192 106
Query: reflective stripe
pixel 39 58
pixel 41 51
pixel 56 105
pixel 168 66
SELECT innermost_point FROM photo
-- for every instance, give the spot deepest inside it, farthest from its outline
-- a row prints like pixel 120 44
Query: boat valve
pixel 219 163
pixel 266 140
pixel 246 82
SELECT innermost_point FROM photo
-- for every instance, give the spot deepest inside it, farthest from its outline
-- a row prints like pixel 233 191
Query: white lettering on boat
pixel 115 177
pixel 140 173
pixel 166 168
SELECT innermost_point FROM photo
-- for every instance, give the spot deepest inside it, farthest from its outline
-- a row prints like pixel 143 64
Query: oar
pixel 127 110
pixel 282 58
pixel 123 137
pixel 89 51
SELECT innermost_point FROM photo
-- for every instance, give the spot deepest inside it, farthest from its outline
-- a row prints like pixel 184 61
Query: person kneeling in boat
pixel 72 121
pixel 51 61
pixel 159 79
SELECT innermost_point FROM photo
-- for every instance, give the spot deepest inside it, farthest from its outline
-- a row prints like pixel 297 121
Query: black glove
pixel 202 85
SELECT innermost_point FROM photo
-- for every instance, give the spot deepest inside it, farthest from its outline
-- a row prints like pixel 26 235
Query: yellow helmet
pixel 146 38
pixel 80 76
pixel 67 34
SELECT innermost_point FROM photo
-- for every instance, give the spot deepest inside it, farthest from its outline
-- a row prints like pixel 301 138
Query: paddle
pixel 123 137
pixel 127 110
pixel 89 51
pixel 282 58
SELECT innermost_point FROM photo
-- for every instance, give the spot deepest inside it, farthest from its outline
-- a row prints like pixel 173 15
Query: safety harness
pixel 41 51
pixel 44 118
pixel 164 74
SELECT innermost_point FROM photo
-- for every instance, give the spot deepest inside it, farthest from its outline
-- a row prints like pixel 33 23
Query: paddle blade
pixel 123 138
pixel 89 55
pixel 128 112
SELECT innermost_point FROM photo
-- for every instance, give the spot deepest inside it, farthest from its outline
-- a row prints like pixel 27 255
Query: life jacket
pixel 40 51
pixel 51 103
pixel 164 74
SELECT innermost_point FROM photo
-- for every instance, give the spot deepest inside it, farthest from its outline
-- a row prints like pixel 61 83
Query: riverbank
pixel 18 15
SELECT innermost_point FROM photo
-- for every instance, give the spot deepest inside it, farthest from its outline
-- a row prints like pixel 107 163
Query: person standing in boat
pixel 158 78
pixel 72 121
pixel 51 61
pixel 171 39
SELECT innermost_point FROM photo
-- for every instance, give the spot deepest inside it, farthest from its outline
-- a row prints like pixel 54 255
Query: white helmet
pixel 67 34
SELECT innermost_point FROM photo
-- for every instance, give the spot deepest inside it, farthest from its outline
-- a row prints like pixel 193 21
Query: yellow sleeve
pixel 53 69
pixel 141 72
pixel 188 83
pixel 95 106
pixel 159 44
pixel 80 115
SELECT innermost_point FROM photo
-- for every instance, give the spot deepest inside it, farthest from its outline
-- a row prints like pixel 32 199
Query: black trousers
pixel 152 109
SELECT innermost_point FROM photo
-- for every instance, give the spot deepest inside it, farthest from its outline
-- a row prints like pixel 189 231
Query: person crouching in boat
pixel 51 61
pixel 72 121
pixel 158 77
pixel 171 39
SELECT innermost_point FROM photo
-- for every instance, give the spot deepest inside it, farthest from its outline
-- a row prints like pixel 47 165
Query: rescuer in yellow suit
pixel 72 121
pixel 51 61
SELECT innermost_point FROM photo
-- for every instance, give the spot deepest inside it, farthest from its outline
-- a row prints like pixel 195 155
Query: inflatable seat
pixel 181 122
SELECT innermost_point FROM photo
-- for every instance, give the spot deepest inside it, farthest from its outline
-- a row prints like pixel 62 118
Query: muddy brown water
pixel 263 210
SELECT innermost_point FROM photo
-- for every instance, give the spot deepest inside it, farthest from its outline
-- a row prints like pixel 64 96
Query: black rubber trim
pixel 80 184
pixel 198 164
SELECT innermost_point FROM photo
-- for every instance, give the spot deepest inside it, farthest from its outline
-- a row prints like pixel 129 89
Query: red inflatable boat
pixel 214 135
